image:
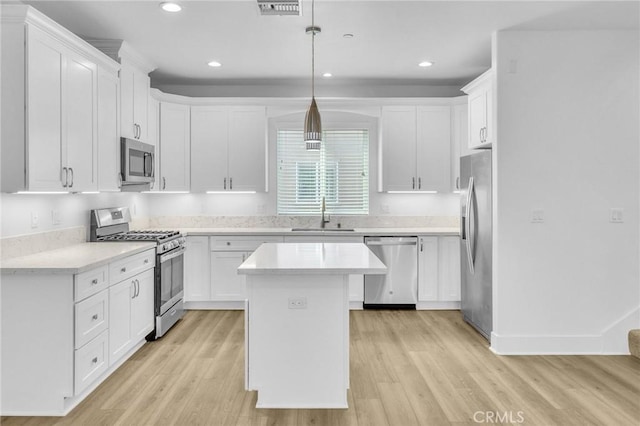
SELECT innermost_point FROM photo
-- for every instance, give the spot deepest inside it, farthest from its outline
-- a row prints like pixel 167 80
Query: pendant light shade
pixel 312 123
pixel 312 127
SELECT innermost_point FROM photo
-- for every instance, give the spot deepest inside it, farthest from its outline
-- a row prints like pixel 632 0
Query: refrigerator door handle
pixel 470 232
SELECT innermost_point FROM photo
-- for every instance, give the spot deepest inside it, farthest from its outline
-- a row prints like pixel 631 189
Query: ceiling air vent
pixel 281 7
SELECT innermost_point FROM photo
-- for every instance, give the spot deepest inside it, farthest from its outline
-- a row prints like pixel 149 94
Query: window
pixel 339 172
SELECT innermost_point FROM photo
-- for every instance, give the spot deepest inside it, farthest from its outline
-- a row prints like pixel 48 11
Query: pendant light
pixel 312 124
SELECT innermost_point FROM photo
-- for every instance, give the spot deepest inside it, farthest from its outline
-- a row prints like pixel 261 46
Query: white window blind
pixel 339 172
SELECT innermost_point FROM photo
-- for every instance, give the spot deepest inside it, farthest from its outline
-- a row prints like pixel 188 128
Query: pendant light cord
pixel 313 45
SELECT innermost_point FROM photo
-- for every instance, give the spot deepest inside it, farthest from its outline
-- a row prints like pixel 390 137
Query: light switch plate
pixel 537 216
pixel 616 215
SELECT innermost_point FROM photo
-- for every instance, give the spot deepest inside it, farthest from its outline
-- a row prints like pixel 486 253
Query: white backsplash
pixel 301 221
pixel 24 245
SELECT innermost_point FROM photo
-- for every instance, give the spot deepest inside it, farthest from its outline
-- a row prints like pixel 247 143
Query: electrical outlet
pixel 537 216
pixel 55 217
pixel 616 215
pixel 297 303
pixel 34 219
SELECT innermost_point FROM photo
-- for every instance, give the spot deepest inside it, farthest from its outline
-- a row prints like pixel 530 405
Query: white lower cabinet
pixel 227 253
pixel 131 313
pixel 197 272
pixel 439 272
pixel 84 326
pixel 226 284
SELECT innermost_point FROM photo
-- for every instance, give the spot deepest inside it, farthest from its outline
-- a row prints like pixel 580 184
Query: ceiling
pixel 390 37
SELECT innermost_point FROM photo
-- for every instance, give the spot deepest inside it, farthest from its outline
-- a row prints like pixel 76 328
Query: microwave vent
pixel 280 7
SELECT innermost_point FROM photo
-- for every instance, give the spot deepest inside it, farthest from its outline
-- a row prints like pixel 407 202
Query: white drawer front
pixel 241 243
pixel 91 361
pixel 132 265
pixel 92 317
pixel 91 282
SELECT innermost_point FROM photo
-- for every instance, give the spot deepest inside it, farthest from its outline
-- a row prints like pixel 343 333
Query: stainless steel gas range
pixel 112 224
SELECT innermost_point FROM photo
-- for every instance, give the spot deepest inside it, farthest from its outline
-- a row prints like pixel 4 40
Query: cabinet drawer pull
pixel 94 317
pixel 146 261
pixel 95 360
pixel 123 269
pixel 94 281
pixel 228 243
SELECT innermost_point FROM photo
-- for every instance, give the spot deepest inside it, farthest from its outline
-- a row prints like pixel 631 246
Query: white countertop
pixel 73 259
pixel 399 232
pixel 312 258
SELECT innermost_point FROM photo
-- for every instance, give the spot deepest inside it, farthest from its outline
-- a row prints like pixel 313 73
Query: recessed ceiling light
pixel 347 35
pixel 214 64
pixel 170 7
pixel 425 64
pixel 327 74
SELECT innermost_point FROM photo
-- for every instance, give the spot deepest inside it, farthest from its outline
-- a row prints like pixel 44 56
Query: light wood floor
pixel 407 368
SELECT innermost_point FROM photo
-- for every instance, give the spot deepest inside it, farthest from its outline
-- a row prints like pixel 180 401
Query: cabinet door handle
pixel 123 269
pixel 94 360
pixel 230 183
pixel 164 183
pixel 225 184
pixel 146 261
pixel 421 244
pixel 66 177
pixel 94 281
pixel 419 183
pixel 413 183
pixel 94 317
pixel 458 182
pixel 133 287
pixel 71 170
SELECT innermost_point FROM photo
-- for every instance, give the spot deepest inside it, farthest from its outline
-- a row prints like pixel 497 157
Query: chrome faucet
pixel 325 218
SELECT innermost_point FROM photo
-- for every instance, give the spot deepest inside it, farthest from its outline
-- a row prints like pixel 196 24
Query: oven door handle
pixel 172 254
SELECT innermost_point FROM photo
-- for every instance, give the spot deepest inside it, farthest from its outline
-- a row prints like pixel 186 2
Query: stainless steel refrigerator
pixel 476 241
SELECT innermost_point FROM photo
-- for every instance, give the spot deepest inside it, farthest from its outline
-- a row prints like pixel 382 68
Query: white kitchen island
pixel 297 321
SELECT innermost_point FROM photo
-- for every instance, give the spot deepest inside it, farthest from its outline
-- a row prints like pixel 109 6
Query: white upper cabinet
pixel 434 148
pixel 174 147
pixel 134 94
pixel 49 105
pixel 228 148
pixel 399 148
pixel 416 148
pixel 459 141
pixel 209 148
pixel 108 131
pixel 480 91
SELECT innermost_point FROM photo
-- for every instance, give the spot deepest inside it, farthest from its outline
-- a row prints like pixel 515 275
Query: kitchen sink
pixel 322 229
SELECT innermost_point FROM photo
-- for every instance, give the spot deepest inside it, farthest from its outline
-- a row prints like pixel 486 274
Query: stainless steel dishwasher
pixel 398 289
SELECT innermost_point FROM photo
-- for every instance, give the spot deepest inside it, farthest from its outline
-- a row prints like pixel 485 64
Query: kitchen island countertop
pixel 312 258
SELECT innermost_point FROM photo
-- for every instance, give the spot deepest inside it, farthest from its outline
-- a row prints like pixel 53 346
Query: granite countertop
pixel 312 258
pixel 73 259
pixel 327 231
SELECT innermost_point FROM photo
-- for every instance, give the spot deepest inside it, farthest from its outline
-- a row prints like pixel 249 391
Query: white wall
pixel 568 143
pixel 73 210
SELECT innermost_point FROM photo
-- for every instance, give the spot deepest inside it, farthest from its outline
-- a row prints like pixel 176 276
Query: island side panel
pixel 298 357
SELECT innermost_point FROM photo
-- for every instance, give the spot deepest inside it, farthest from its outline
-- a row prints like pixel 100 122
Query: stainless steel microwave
pixel 137 159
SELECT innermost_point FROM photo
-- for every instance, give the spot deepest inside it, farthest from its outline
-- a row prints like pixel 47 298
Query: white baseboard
pixel 435 306
pixel 238 306
pixel 610 341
